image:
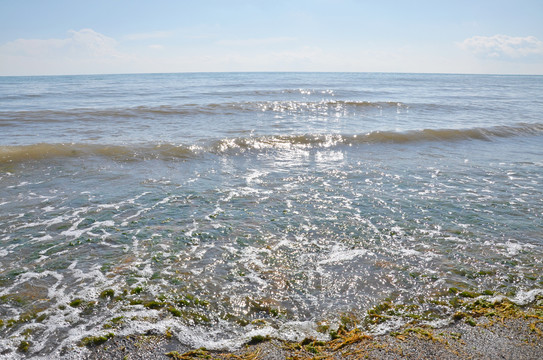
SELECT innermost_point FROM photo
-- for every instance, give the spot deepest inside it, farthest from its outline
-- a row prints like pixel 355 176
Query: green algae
pixel 155 305
pixel 262 306
pixel 470 321
pixel 27 316
pixel 14 299
pixel 201 353
pixel 76 303
pixel 234 318
pixel 175 312
pixel 95 340
pixel 24 346
pixel 174 355
pixel 334 335
pixel 423 332
pixel 469 294
pixel 191 300
pixel 108 293
pixel 384 311
pixel 198 318
pixel 310 345
pixel 41 318
pixel 323 329
pixel 115 322
pixel 187 301
pixel 257 339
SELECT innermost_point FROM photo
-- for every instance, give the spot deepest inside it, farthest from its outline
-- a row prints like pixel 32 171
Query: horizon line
pixel 273 72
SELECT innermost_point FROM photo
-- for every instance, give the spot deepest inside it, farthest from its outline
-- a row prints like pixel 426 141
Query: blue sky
pixel 85 37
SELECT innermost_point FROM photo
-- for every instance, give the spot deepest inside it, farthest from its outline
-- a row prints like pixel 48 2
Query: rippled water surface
pixel 227 205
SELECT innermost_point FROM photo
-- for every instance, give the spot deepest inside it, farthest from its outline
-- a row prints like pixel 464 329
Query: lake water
pixel 226 205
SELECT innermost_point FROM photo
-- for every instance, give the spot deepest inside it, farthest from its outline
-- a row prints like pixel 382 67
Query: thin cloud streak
pixel 256 41
pixel 149 35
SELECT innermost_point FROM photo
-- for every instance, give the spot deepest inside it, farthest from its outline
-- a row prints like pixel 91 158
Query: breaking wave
pixel 163 151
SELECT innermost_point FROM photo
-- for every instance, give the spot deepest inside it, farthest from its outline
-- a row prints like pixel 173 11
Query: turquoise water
pixel 227 205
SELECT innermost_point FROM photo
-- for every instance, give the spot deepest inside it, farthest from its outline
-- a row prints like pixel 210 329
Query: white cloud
pixel 150 35
pixel 83 51
pixel 87 51
pixel 256 41
pixel 503 46
pixel 85 42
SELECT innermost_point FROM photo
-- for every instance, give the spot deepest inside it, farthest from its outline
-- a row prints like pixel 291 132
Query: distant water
pixel 260 203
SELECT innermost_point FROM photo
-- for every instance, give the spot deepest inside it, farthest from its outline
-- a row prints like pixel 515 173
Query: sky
pixel 58 37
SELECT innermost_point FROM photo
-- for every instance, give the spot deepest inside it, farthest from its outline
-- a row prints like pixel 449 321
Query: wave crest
pixel 232 108
pixel 9 154
pixel 14 154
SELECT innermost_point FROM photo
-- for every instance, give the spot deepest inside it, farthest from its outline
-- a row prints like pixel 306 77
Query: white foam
pixel 299 330
pixel 387 326
pixel 33 275
pixel 409 252
pixel 23 183
pixel 147 271
pixel 338 256
pixel 521 298
pixel 526 297
pixel 254 176
pixel 75 232
pixel 44 238
pixel 46 223
pixel 439 323
pixel 510 248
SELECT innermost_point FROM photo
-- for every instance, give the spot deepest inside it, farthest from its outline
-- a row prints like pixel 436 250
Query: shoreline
pixel 498 331
pixel 511 339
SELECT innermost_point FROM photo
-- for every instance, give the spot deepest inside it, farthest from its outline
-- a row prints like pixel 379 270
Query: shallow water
pixel 248 204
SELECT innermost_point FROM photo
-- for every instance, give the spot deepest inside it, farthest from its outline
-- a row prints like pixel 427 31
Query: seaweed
pixel 257 339
pixel 24 346
pixel 175 312
pixel 96 340
pixel 109 293
pixel 76 303
pixel 201 353
pixel 155 305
